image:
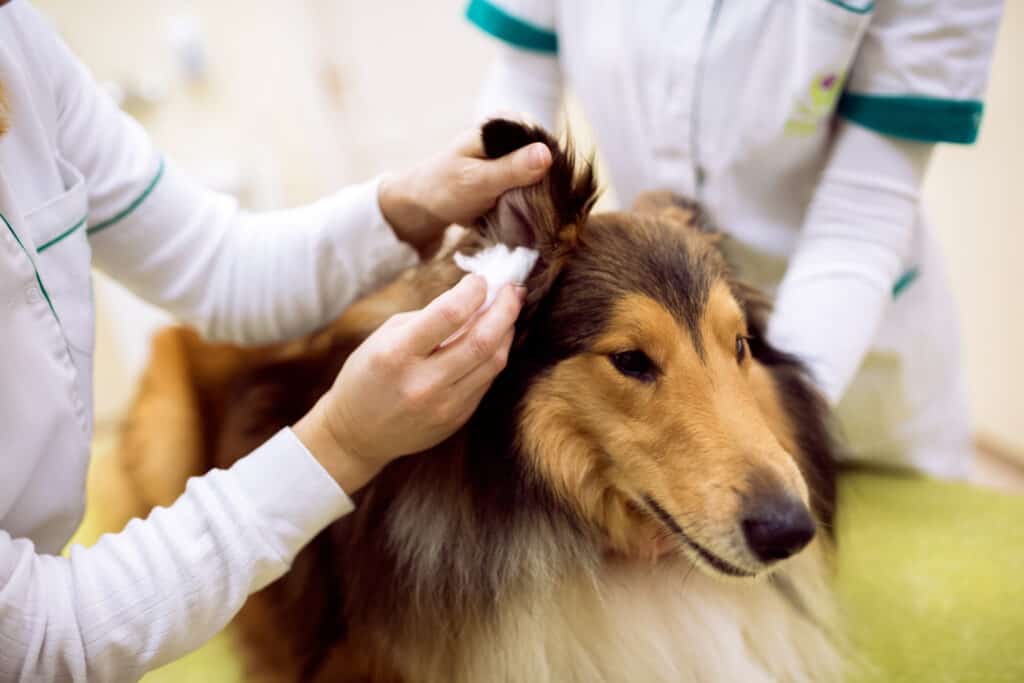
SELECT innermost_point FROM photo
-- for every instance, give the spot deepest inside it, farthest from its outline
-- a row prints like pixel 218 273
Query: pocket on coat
pixel 63 257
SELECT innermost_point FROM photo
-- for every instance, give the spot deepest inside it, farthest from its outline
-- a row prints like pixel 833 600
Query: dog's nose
pixel 777 528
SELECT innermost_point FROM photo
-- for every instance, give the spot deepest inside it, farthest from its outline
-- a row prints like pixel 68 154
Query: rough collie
pixel 645 494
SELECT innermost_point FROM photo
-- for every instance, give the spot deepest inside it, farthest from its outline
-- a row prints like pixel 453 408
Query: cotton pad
pixel 500 266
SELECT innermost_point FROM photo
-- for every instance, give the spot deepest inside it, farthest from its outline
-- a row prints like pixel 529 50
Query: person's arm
pixel 522 82
pixel 853 249
pixel 525 78
pixel 160 588
pixel 918 79
pixel 256 277
pixel 163 586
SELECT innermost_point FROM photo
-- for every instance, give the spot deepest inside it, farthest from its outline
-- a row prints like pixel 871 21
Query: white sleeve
pixel 853 249
pixel 526 77
pixel 521 82
pixel 922 69
pixel 236 275
pixel 160 588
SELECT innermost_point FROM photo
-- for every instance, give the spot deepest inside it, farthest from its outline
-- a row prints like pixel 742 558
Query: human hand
pixel 400 393
pixel 457 186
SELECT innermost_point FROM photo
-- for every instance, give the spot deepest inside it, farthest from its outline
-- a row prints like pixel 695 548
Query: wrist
pixel 347 468
pixel 410 222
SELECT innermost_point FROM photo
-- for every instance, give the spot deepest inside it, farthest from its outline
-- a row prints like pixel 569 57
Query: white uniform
pixel 805 127
pixel 80 183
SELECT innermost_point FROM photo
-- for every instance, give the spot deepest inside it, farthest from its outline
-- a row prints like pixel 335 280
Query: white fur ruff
pixel 668 623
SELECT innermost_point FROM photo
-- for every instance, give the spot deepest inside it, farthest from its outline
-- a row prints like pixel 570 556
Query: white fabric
pixel 163 586
pixel 523 83
pixel 938 49
pixel 734 104
pixel 855 245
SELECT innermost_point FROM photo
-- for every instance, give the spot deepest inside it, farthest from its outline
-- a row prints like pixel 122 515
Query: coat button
pixel 32 295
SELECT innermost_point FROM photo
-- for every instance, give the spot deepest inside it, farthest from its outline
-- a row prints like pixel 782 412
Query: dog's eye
pixel 741 348
pixel 634 364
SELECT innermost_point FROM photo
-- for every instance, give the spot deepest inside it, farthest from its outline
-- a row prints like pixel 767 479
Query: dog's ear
pixel 670 206
pixel 548 216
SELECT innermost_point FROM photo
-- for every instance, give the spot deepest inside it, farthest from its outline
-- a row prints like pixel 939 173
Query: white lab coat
pixel 789 120
pixel 81 185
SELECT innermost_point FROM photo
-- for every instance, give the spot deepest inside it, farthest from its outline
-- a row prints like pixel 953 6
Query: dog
pixel 645 493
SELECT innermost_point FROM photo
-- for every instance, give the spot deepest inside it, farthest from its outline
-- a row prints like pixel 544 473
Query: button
pixel 32 295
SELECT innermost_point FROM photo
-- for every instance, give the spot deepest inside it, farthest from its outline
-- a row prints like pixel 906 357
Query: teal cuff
pixel 904 281
pixel 924 119
pixel 856 8
pixel 513 30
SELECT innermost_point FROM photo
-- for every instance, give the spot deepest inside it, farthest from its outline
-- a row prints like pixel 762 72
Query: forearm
pixel 521 82
pixel 252 277
pixel 854 247
pixel 163 586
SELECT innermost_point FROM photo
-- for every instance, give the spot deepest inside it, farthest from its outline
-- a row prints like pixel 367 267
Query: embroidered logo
pixel 819 101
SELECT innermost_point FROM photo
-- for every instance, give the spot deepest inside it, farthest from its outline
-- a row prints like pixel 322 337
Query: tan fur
pixel 697 442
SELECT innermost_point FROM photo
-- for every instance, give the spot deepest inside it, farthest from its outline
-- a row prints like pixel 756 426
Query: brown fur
pixel 567 470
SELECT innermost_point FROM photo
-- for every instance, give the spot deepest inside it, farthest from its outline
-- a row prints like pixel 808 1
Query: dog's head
pixel 650 401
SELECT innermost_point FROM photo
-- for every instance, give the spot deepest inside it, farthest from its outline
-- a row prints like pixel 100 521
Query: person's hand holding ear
pixel 455 187
pixel 400 392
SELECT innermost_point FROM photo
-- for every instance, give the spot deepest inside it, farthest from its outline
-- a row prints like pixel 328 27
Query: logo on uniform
pixel 816 104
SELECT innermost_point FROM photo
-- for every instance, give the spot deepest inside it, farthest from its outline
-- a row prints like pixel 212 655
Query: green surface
pixel 215 662
pixel 932 577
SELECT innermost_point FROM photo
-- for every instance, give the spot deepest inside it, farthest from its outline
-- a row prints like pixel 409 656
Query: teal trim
pixel 925 119
pixel 40 249
pixel 852 8
pixel 905 281
pixel 131 207
pixel 39 280
pixel 512 30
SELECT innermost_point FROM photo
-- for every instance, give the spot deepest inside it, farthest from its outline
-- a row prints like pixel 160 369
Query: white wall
pixel 975 196
pixel 308 95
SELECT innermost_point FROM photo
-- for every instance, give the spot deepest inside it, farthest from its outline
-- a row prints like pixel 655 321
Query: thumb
pixel 525 166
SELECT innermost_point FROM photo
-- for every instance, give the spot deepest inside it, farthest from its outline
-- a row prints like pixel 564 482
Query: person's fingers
pixel 472 389
pixel 445 315
pixel 525 166
pixel 478 344
pixel 480 377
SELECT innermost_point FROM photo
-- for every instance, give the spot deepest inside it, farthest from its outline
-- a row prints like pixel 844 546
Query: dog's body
pixel 601 517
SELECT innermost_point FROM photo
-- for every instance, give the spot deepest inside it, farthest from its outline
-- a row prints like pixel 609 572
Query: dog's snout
pixel 777 527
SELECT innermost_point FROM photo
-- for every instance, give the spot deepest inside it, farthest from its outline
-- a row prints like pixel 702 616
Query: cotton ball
pixel 499 266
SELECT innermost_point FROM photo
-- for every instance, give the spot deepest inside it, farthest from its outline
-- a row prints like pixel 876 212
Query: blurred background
pixel 279 103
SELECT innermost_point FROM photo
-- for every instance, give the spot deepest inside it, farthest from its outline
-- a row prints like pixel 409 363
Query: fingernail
pixel 539 156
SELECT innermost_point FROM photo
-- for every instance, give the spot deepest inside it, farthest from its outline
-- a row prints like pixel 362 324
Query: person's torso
pixel 729 102
pixel 46 307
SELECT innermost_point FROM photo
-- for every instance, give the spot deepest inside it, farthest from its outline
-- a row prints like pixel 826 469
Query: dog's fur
pixel 585 524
